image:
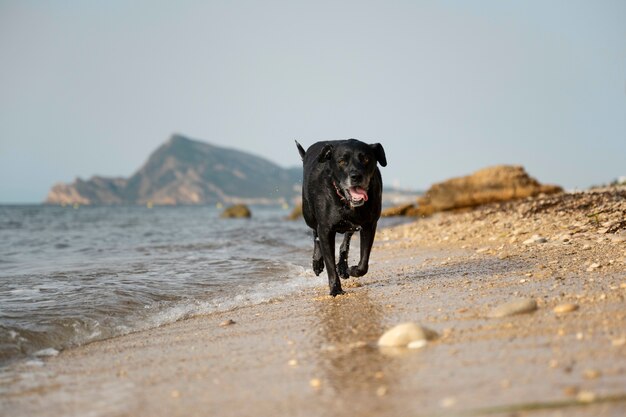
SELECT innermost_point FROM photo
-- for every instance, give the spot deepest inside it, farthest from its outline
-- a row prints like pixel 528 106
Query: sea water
pixel 72 276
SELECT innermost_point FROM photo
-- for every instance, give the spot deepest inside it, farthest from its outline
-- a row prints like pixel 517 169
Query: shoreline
pixel 309 354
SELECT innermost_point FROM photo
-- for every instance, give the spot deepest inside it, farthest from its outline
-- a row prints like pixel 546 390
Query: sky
pixel 448 87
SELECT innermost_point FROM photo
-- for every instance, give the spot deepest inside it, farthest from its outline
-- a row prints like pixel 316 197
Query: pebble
pixel 404 334
pixel 381 391
pixel 357 345
pixel 535 239
pixel 565 237
pixel 46 352
pixel 591 374
pixel 447 402
pixel 586 397
pixel 618 342
pixel 516 306
pixel 228 322
pixel 293 362
pixel 593 267
pixel 618 238
pixel 565 308
pixel 175 393
pixel 315 383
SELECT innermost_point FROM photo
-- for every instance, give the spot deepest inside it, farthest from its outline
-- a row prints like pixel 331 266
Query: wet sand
pixel 313 355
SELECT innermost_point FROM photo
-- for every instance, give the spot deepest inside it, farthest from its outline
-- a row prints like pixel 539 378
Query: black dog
pixel 341 193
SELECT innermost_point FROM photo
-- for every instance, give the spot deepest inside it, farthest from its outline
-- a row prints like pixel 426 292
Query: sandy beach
pixel 313 355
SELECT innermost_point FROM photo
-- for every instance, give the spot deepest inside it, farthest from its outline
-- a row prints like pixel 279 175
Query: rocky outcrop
pixel 107 190
pixel 238 211
pixel 400 210
pixel 186 171
pixel 296 213
pixel 488 185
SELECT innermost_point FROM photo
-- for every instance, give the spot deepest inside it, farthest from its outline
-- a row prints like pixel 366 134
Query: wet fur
pixel 330 168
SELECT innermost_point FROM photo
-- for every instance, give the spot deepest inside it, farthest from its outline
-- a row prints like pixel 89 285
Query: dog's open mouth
pixel 358 196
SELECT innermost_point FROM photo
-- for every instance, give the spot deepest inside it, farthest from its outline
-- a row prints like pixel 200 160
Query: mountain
pixel 186 171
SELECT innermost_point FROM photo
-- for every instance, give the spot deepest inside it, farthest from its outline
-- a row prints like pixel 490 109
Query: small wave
pixel 68 332
pixel 299 279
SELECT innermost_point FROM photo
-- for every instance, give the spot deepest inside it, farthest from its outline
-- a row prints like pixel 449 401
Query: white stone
pixel 47 352
pixel 565 308
pixel 535 239
pixel 404 334
pixel 516 306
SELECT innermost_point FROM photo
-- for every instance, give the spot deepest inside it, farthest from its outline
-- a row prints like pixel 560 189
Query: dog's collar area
pixel 341 196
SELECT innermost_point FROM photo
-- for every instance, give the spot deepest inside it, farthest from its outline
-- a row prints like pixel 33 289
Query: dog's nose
pixel 356 177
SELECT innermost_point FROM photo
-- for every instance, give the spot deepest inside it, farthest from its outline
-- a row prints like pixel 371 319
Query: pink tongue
pixel 358 193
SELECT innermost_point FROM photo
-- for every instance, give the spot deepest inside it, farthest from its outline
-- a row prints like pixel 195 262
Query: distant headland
pixel 187 171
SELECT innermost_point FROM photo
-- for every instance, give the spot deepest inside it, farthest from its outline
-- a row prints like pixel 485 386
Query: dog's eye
pixel 342 162
pixel 364 159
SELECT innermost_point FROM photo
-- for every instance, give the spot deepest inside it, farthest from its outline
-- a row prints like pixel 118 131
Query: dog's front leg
pixel 367 240
pixel 318 261
pixel 342 265
pixel 327 244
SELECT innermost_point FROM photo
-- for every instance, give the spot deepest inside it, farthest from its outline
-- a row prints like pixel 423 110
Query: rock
pixel 493 184
pixel 517 306
pixel 296 213
pixel 565 308
pixel 315 383
pixel 593 267
pixel 401 210
pixel 592 374
pixel 228 322
pixel 619 342
pixel 237 211
pixel 404 334
pixel 586 397
pixel 447 402
pixel 46 352
pixel 535 239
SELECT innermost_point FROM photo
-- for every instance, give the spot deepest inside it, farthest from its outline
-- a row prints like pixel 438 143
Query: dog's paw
pixel 318 266
pixel 355 271
pixel 336 291
pixel 342 269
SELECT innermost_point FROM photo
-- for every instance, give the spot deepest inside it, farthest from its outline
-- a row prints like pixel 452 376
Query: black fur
pixel 331 169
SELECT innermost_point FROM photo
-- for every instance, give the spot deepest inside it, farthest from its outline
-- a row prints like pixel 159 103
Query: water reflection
pixel 350 360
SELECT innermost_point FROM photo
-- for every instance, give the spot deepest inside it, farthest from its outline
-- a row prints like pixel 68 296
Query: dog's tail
pixel 301 150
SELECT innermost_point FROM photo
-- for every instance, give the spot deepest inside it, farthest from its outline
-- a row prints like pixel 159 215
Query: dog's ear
pixel 378 150
pixel 325 153
pixel 301 150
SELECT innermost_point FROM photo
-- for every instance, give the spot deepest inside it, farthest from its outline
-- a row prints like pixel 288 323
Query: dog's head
pixel 353 164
